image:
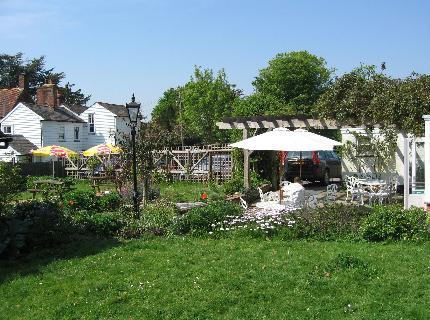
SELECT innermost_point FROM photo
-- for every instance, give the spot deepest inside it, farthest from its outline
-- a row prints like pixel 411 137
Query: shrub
pixel 11 183
pixel 100 223
pixel 331 222
pixel 233 185
pixel 80 200
pixel 109 202
pixel 394 223
pixel 35 224
pixel 88 200
pixel 201 220
pixel 158 217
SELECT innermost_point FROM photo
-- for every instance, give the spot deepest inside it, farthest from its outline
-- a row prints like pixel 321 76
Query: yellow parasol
pixel 54 151
pixel 101 149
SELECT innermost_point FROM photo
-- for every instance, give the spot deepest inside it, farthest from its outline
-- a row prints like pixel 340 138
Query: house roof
pixel 117 109
pixel 8 99
pixel 76 108
pixel 60 114
pixel 21 144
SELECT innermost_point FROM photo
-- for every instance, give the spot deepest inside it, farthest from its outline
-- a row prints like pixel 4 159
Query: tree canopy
pixel 295 80
pixel 366 96
pixel 204 100
pixel 11 66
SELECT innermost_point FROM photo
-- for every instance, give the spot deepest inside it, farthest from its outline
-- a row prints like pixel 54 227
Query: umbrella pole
pixel 53 168
pixel 301 163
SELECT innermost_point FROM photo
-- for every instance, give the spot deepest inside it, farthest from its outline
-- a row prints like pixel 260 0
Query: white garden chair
pixel 295 200
pixel 268 196
pixel 392 186
pixel 331 193
pixel 311 200
pixel 380 194
pixel 243 203
pixel 354 189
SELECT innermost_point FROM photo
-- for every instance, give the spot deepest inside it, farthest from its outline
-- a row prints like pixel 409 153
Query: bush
pixel 233 185
pixel 201 220
pixel 88 200
pixel 11 183
pixel 158 217
pixel 34 224
pixel 108 202
pixel 331 222
pixel 394 223
pixel 103 224
pixel 80 200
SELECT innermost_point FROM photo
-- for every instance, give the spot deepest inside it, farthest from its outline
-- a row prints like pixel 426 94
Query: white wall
pixel 104 122
pixel 122 126
pixel 51 130
pixel 24 122
pixel 351 167
pixel 8 154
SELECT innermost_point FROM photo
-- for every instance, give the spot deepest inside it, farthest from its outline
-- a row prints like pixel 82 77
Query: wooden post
pixel 210 165
pixel 188 164
pixel 245 162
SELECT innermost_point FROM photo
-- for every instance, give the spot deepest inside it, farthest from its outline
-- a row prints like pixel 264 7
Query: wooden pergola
pixel 270 122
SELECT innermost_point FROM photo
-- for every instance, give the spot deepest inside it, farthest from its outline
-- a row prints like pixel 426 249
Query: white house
pixel 40 126
pixel 106 123
pixel 363 161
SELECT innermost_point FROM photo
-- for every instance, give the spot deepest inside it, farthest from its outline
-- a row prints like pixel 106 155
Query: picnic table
pixel 49 185
pixel 96 181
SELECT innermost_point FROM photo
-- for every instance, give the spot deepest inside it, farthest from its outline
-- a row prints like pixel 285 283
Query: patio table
pixel 371 182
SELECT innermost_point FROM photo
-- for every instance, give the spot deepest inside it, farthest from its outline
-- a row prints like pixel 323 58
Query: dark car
pixel 313 166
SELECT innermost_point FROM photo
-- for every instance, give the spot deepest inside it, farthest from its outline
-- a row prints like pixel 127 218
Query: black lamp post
pixel 133 115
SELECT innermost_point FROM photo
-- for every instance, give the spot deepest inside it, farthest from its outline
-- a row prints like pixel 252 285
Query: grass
pixel 191 278
pixel 182 191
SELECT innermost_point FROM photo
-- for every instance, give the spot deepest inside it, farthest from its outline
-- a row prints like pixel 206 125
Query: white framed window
pixel 76 133
pixel 7 129
pixel 91 128
pixel 61 133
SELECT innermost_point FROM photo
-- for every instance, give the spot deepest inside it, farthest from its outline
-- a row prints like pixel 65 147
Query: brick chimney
pixel 47 95
pixel 22 82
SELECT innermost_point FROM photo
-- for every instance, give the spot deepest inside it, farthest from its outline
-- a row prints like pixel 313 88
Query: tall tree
pixel 295 79
pixel 207 98
pixel 193 109
pixel 166 112
pixel 11 66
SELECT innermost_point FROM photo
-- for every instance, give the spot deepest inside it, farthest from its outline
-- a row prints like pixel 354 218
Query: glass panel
pixel 296 155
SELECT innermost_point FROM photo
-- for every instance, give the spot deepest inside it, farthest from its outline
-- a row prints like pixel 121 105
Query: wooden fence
pixel 42 168
pixel 189 163
pixel 196 163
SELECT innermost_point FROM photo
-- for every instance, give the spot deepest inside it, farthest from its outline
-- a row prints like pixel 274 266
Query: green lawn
pixel 179 191
pixel 189 278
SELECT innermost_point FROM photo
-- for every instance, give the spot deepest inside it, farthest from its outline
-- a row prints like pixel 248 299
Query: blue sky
pixel 111 49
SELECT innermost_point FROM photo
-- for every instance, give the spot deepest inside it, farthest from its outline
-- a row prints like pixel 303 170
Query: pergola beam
pixel 267 122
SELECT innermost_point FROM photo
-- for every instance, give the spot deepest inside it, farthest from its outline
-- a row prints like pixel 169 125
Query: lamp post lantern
pixel 133 115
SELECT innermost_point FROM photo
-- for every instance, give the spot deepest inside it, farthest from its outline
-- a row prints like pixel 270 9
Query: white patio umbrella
pixel 282 139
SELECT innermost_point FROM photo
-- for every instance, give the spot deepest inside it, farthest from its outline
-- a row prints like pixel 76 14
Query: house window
pixel 61 133
pixel 7 129
pixel 76 133
pixel 92 129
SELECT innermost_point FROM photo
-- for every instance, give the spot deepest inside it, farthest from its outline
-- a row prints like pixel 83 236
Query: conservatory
pixel 417 178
